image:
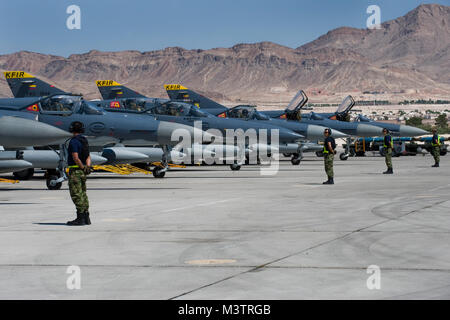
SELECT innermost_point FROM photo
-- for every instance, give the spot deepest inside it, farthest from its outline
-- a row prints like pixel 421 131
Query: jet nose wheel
pixel 52 184
pixel 344 156
pixel 159 172
pixel 235 167
pixel 295 161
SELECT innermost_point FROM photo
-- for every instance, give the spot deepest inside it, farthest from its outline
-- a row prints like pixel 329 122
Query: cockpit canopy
pixel 246 112
pixel 177 109
pixel 298 101
pixel 67 104
pixel 61 103
pixel 346 105
pixel 127 105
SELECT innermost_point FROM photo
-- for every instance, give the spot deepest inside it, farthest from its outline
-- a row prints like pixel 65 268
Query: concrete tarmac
pixel 210 233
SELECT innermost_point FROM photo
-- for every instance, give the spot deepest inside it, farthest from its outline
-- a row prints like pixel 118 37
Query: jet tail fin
pixel 23 84
pixel 177 92
pixel 110 89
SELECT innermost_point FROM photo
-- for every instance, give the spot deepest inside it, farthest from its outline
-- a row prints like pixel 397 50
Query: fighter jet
pixel 17 133
pixel 343 114
pixel 311 131
pixel 119 97
pixel 102 127
pixel 292 112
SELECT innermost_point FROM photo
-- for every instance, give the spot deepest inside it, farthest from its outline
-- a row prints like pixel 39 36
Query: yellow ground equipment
pixel 122 169
pixel 8 181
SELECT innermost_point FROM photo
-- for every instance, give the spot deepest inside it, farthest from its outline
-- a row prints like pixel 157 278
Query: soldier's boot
pixel 329 181
pixel 79 221
pixel 87 220
pixel 389 171
pixel 436 165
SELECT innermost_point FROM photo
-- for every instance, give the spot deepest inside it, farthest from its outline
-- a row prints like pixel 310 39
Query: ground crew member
pixel 388 147
pixel 436 148
pixel 79 164
pixel 329 151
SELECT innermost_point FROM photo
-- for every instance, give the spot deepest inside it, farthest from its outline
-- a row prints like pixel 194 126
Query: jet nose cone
pixel 289 136
pixel 18 132
pixel 315 132
pixel 170 133
pixel 338 135
pixel 408 131
pixel 366 130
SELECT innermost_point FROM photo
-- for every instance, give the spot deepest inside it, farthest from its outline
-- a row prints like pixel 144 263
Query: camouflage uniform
pixel 436 152
pixel 388 146
pixel 388 157
pixel 436 147
pixel 328 160
pixel 77 187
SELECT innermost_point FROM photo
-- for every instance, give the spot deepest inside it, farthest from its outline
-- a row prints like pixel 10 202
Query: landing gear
pixel 296 159
pixel 52 182
pixel 235 167
pixel 26 174
pixel 55 178
pixel 159 172
pixel 344 156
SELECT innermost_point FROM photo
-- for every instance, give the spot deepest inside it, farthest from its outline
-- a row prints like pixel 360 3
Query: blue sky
pixel 113 25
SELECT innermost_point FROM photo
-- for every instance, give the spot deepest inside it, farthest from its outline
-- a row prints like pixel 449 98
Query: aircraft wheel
pixel 235 167
pixel 49 184
pixel 343 156
pixel 26 174
pixel 319 154
pixel 158 173
pixel 443 152
pixel 296 161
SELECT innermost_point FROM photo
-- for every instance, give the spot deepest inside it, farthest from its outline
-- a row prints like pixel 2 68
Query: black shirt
pixel 387 141
pixel 78 144
pixel 333 143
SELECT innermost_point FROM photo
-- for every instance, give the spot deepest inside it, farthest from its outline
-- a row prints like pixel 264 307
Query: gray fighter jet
pixel 18 133
pixel 121 98
pixel 312 131
pixel 343 114
pixel 102 127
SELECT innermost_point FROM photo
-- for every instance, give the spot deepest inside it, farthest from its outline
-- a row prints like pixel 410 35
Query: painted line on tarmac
pixel 200 205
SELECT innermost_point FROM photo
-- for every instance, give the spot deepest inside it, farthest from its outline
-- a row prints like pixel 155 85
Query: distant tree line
pixel 422 101
pixel 441 123
pixel 373 103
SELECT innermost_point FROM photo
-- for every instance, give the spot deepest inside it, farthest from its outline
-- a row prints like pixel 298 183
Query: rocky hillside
pixel 409 56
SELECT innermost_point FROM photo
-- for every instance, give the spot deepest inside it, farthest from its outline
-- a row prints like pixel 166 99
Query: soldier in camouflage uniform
pixel 388 147
pixel 79 163
pixel 436 148
pixel 329 151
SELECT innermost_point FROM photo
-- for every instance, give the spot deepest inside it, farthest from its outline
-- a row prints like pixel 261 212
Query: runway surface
pixel 210 233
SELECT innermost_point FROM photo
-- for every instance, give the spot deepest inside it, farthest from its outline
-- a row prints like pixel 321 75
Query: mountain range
pixel 407 57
